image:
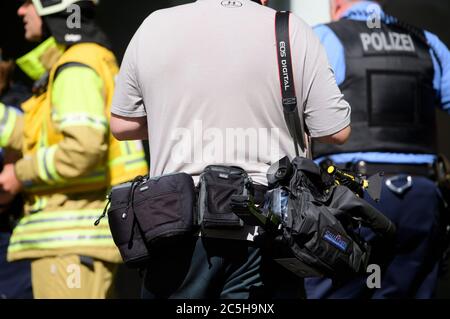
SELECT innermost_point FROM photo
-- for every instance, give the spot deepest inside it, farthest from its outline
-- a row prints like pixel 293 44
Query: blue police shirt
pixel 440 54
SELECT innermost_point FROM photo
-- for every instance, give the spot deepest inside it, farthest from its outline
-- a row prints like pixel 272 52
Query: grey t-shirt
pixel 206 76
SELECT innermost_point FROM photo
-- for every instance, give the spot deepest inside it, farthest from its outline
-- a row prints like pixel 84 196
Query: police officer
pixel 394 75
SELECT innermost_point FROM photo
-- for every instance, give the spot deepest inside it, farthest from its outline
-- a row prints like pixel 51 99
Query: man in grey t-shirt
pixel 200 82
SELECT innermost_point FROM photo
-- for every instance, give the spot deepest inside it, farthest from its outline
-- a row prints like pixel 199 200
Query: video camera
pixel 279 175
pixel 314 212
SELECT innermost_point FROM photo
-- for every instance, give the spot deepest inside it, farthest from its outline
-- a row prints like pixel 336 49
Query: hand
pixel 10 185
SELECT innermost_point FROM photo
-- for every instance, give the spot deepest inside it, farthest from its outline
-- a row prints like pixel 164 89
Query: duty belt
pixel 369 169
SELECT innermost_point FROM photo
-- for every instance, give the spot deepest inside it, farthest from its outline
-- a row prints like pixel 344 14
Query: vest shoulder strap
pixel 69 65
pixel 90 55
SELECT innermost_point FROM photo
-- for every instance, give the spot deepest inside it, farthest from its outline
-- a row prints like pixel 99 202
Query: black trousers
pixel 204 268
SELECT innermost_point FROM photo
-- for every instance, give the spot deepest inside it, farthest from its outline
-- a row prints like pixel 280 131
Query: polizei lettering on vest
pixel 284 67
pixel 388 42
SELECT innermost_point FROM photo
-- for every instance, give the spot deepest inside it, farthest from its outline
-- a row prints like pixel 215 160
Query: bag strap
pixel 293 118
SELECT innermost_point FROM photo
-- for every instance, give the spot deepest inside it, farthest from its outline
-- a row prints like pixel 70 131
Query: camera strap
pixel 294 118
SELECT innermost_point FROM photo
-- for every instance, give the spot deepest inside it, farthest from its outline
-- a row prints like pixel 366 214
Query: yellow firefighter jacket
pixel 70 159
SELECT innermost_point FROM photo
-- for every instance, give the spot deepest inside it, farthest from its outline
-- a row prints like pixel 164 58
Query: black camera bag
pixel 217 185
pixel 148 211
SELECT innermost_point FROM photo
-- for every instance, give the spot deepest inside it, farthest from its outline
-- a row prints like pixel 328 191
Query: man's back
pixel 207 74
pixel 204 78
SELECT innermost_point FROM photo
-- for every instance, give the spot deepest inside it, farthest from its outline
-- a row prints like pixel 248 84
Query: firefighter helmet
pixel 47 7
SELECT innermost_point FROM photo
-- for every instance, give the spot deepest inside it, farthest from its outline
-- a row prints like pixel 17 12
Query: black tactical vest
pixel 389 85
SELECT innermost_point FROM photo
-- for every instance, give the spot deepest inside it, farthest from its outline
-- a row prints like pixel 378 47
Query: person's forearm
pixel 77 155
pixel 338 138
pixel 125 129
